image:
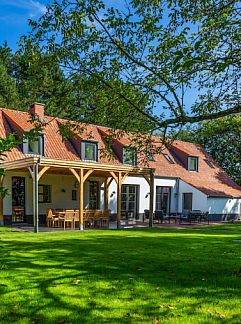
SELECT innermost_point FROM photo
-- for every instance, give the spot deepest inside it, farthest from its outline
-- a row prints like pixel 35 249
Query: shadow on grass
pixel 130 276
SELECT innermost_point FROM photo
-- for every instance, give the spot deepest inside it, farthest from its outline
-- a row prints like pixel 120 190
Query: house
pixel 47 172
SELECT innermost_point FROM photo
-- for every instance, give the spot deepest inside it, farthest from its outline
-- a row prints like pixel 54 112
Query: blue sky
pixel 14 15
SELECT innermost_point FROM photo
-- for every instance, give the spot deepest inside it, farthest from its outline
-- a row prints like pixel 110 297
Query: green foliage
pixel 166 51
pixel 222 140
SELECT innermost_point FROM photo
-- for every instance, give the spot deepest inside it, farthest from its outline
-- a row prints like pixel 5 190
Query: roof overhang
pixel 57 163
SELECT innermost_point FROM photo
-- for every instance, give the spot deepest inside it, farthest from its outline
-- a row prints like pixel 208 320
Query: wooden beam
pixel 81 200
pixel 151 199
pixel 88 173
pixel 118 216
pixel 114 176
pixel 109 180
pixel 42 172
pixel 35 198
pixel 106 192
pixel 30 169
pixel 1 202
pixel 147 179
pixel 124 177
pixel 75 174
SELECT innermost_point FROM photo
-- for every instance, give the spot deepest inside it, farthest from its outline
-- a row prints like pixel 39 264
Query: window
pixel 209 163
pixel 129 156
pixel 89 151
pixel 168 158
pixel 44 193
pixel 163 199
pixel 94 193
pixel 34 145
pixel 187 201
pixel 74 194
pixel 193 163
pixel 149 156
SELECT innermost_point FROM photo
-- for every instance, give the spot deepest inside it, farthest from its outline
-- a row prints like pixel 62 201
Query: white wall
pixel 144 191
pixel 224 205
pixel 199 199
pixel 62 199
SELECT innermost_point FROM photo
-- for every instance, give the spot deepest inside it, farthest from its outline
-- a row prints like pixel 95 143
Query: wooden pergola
pixel 38 166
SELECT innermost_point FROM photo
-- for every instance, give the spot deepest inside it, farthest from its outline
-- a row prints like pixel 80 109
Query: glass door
pixel 129 202
pixel 94 194
pixel 163 199
pixel 18 199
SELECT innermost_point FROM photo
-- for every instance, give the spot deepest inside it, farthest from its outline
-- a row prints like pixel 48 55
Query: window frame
pixel 44 194
pixel 184 195
pixel 134 162
pixel 96 186
pixel 149 156
pixel 168 158
pixel 197 163
pixel 82 150
pixel 41 145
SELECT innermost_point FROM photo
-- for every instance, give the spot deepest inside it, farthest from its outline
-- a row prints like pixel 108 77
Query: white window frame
pixel 189 162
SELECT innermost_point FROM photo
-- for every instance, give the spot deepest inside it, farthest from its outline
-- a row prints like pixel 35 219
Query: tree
pixel 222 140
pixel 168 50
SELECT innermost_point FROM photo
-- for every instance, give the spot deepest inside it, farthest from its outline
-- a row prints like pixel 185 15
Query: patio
pixel 80 218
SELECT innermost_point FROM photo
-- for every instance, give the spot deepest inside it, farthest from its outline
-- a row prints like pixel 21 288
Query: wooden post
pixel 151 199
pixel 81 199
pixel 119 184
pixel 1 201
pixel 106 193
pixel 35 198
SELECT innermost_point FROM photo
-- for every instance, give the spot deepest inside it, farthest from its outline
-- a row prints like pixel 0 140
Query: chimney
pixel 37 110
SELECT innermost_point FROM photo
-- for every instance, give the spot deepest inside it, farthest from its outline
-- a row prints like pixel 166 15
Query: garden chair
pixel 51 218
pixel 68 218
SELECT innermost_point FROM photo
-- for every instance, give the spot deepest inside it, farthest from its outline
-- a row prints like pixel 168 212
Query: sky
pixel 14 15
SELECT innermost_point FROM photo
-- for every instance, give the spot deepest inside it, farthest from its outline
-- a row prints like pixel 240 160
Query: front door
pixel 18 199
pixel 129 201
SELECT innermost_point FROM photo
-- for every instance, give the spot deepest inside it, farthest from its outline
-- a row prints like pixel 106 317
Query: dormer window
pixel 192 163
pixel 168 158
pixel 149 156
pixel 34 145
pixel 129 156
pixel 89 151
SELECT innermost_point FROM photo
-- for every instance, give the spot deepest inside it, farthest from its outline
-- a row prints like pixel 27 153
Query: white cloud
pixel 34 8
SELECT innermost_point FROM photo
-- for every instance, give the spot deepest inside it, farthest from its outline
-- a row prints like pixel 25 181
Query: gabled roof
pixel 211 181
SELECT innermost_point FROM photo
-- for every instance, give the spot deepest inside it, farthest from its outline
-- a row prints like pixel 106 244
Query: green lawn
pixel 124 276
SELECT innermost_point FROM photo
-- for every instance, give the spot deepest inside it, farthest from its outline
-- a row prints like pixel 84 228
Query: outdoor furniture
pixel 76 218
pixel 18 214
pixel 51 218
pixel 160 217
pixel 204 217
pixel 68 218
pixel 146 213
pixel 105 217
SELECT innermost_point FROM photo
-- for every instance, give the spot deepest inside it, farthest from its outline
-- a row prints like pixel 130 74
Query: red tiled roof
pixel 211 181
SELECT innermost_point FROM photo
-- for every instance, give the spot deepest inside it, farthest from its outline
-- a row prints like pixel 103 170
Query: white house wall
pixel 224 205
pixel 62 186
pixel 199 201
pixel 144 191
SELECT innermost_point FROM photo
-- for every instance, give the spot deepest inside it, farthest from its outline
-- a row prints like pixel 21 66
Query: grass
pixel 124 276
